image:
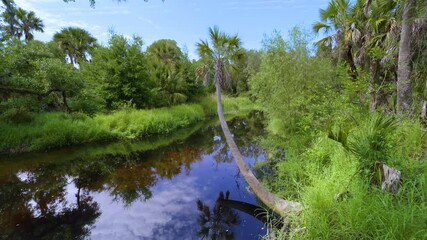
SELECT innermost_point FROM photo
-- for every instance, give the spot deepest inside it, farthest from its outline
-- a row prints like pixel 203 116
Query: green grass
pixel 326 168
pixel 55 130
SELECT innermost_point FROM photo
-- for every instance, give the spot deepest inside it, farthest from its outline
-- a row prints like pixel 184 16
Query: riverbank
pixel 55 130
pixel 332 177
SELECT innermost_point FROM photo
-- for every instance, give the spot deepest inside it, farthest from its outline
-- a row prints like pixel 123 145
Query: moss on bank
pixel 53 130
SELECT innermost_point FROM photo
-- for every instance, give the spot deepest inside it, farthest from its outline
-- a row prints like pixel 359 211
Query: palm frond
pixel 325 42
pixel 369 143
pixel 204 50
pixel 317 26
pixel 223 51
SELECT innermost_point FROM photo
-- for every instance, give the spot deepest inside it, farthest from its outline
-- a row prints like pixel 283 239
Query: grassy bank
pixel 334 181
pixel 53 130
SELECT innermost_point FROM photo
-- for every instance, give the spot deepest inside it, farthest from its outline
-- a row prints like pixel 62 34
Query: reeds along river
pixel 167 187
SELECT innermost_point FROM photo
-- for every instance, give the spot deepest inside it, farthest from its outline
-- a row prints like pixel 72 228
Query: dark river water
pixel 172 187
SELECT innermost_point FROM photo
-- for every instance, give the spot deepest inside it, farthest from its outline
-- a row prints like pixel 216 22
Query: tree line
pixel 385 39
pixel 73 72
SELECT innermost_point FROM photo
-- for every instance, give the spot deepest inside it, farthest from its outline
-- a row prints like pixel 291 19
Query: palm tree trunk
pixel 348 57
pixel 404 90
pixel 277 204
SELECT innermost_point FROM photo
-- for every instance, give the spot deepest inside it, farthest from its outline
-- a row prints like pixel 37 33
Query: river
pixel 165 187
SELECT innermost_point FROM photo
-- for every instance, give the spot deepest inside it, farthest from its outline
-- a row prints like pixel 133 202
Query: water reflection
pixel 27 211
pixel 218 222
pixel 130 190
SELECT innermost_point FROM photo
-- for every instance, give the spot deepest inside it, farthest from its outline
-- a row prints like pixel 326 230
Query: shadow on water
pixel 75 193
pixel 218 222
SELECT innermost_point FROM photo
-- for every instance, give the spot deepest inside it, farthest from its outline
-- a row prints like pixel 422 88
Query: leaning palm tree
pixel 76 43
pixel 27 22
pixel 222 53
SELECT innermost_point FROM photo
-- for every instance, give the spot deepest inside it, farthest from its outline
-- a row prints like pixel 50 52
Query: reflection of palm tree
pixel 218 223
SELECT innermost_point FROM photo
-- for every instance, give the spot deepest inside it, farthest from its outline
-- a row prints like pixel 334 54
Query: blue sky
pixel 185 21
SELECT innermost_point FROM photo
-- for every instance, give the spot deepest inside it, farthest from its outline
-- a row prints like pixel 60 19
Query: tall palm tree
pixel 222 52
pixel 338 18
pixel 27 22
pixel 76 43
pixel 376 48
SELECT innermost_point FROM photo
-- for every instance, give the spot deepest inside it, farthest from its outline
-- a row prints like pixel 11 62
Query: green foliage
pixel 171 70
pixel 20 23
pixel 15 110
pixel 121 70
pixel 53 130
pixel 294 88
pixel 245 70
pixel 341 204
pixel 36 74
pixel 370 142
pixel 76 43
pixel 119 75
pixel 219 56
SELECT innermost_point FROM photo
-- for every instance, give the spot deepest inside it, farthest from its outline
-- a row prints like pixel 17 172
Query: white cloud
pixel 169 213
pixel 55 19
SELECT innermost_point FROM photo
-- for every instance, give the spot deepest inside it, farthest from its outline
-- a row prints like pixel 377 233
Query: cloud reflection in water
pixel 169 213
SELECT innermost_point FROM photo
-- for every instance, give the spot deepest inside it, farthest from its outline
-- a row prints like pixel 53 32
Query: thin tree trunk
pixel 277 204
pixel 404 90
pixel 64 99
pixel 424 109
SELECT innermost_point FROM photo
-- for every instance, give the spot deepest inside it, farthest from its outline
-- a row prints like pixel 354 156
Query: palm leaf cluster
pixel 76 43
pixel 19 22
pixel 370 143
pixel 222 53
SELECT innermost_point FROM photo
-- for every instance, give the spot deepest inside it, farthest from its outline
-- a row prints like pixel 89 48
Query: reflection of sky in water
pixel 172 211
pixel 169 213
pixel 177 176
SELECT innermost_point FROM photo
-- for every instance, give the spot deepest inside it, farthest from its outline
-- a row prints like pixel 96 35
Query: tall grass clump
pixel 137 123
pixel 53 130
pixel 50 130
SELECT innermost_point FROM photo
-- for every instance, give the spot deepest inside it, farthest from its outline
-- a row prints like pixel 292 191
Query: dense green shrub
pixel 294 88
